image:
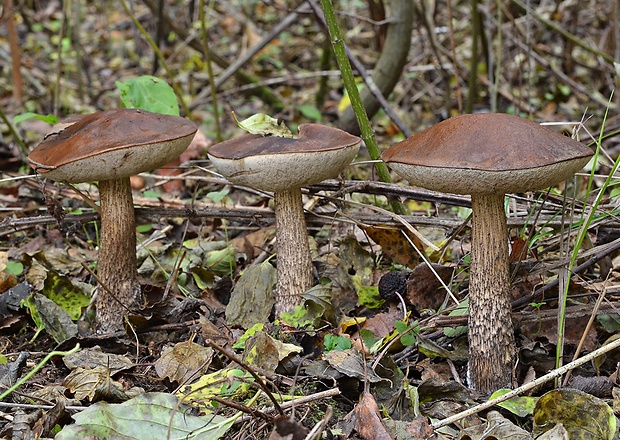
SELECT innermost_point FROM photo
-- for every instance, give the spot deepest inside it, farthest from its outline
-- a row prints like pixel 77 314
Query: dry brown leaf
pixel 94 384
pixel 183 360
pixel 395 245
pixel 287 428
pixel 380 325
pixel 253 243
pixel 368 424
pixel 210 332
pixel 261 351
pixel 424 290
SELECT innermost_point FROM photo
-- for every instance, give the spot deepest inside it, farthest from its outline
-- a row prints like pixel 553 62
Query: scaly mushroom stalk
pixel 488 156
pixel 492 342
pixel 117 256
pixel 293 251
pixel 109 147
pixel 284 165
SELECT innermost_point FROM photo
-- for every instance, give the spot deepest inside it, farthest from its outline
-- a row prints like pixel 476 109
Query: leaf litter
pixel 392 368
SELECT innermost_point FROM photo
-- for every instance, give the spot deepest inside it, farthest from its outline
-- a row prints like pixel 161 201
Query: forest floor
pixel 358 365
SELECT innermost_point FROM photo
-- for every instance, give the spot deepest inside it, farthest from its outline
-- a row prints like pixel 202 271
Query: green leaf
pixel 409 338
pixel 264 125
pixel 50 119
pixel 336 342
pixel 311 112
pixel 370 340
pixel 240 344
pixel 203 277
pixel 222 261
pixel 217 196
pixel 61 290
pixel 228 382
pixel 14 268
pixel 30 304
pixel 367 296
pixel 143 229
pixel 609 321
pixel 461 310
pixel 583 415
pixel 316 301
pixel 150 415
pixel 521 406
pixel 149 93
pixel 151 194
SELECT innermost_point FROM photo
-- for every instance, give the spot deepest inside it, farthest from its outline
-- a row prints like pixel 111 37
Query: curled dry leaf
pixel 183 361
pixel 94 384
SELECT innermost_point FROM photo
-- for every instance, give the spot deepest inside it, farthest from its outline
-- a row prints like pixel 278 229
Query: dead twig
pixel 529 386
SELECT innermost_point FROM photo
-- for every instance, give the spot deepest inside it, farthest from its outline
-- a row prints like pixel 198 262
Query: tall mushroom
pixel 488 156
pixel 110 147
pixel 284 165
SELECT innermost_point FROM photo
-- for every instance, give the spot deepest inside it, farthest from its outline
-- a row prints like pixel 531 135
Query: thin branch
pixel 529 386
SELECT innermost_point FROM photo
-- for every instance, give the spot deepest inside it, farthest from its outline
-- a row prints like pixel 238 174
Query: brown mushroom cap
pixel 487 154
pixel 110 145
pixel 271 163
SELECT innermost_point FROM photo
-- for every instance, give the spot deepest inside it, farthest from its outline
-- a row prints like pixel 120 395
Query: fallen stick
pixel 528 386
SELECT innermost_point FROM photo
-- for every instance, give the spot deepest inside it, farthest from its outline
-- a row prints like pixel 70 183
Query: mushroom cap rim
pixel 153 140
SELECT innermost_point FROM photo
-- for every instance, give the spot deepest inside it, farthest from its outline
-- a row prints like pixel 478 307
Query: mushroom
pixel 284 165
pixel 111 146
pixel 488 156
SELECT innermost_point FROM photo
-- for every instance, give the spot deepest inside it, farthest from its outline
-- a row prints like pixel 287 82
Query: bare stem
pixel 491 336
pixel 117 255
pixel 294 260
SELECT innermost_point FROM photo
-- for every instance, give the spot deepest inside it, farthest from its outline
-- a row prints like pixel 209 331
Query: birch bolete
pixel 109 147
pixel 284 166
pixel 488 156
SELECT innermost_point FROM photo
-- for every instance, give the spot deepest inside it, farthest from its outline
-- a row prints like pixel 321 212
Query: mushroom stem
pixel 117 256
pixel 491 336
pixel 293 251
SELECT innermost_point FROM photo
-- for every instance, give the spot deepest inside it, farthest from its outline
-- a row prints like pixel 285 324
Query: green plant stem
pixel 36 369
pixel 356 102
pixel 207 55
pixel 160 57
pixel 583 232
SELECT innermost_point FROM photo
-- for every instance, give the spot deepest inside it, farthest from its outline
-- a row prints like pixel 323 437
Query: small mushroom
pixel 111 146
pixel 488 156
pixel 284 165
